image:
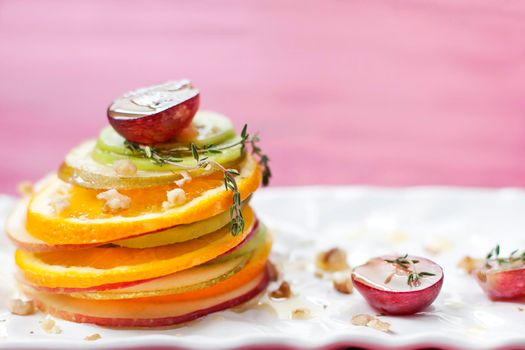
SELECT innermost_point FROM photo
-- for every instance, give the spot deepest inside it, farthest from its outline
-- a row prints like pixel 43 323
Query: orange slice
pixel 112 265
pixel 84 222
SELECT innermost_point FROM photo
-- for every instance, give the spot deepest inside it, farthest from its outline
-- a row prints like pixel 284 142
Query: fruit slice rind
pixel 101 266
pixel 44 224
pixel 130 313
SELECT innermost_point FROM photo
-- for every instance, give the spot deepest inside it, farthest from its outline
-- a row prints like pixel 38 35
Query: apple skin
pixel 502 284
pixel 152 127
pixel 160 321
pixel 249 236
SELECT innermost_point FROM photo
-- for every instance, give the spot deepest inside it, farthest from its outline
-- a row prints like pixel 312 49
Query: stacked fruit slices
pixel 112 248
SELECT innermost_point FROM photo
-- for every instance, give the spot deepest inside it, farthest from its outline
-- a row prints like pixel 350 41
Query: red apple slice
pixel 386 287
pixel 154 114
pixel 144 313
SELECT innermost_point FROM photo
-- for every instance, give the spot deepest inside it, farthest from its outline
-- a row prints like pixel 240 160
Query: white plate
pixel 364 221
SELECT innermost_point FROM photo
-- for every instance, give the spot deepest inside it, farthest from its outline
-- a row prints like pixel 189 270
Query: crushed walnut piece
pixel 438 246
pixel 273 272
pixel 379 325
pixel 365 320
pixel 332 260
pixel 59 203
pixel 21 307
pixel 92 337
pixel 343 284
pixel 318 274
pixel 124 167
pixel 175 197
pixel 301 314
pixel 25 188
pixel 283 292
pixel 361 319
pixel 185 178
pixel 114 201
pixel 469 264
pixel 49 326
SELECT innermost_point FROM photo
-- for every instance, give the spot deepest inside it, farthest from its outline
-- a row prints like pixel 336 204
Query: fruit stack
pixel 149 224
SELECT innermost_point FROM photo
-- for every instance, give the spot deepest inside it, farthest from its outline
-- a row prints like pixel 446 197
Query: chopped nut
pixel 115 201
pixel 94 336
pixel 185 178
pixel 361 319
pixel 379 325
pixel 318 274
pixel 177 196
pixel 438 246
pixel 49 326
pixel 332 260
pixel 59 203
pixel 370 321
pixel 273 273
pixel 64 189
pixel 521 309
pixel 283 292
pixel 482 276
pixel 124 167
pixel 25 188
pixel 343 284
pixel 301 314
pixel 21 307
pixel 469 264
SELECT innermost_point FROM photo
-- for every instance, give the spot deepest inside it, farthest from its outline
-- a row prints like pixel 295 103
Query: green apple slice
pixel 213 128
pixel 79 168
pixel 230 154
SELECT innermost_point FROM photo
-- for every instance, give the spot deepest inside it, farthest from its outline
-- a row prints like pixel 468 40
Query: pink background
pixel 343 92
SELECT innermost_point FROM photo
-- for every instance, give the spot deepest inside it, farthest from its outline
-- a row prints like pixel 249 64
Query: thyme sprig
pixel 494 257
pixel 201 155
pixel 236 217
pixel 408 266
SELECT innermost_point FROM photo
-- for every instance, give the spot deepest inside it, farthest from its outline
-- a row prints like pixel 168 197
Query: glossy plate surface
pixel 366 222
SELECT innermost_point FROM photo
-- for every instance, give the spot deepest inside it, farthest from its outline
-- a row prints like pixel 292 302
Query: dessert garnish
pixel 149 225
pixel 365 320
pixel 203 161
pixel 502 277
pixel 154 114
pixel 332 260
pixel 405 266
pixel 282 292
pixel 343 283
pixel 394 286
